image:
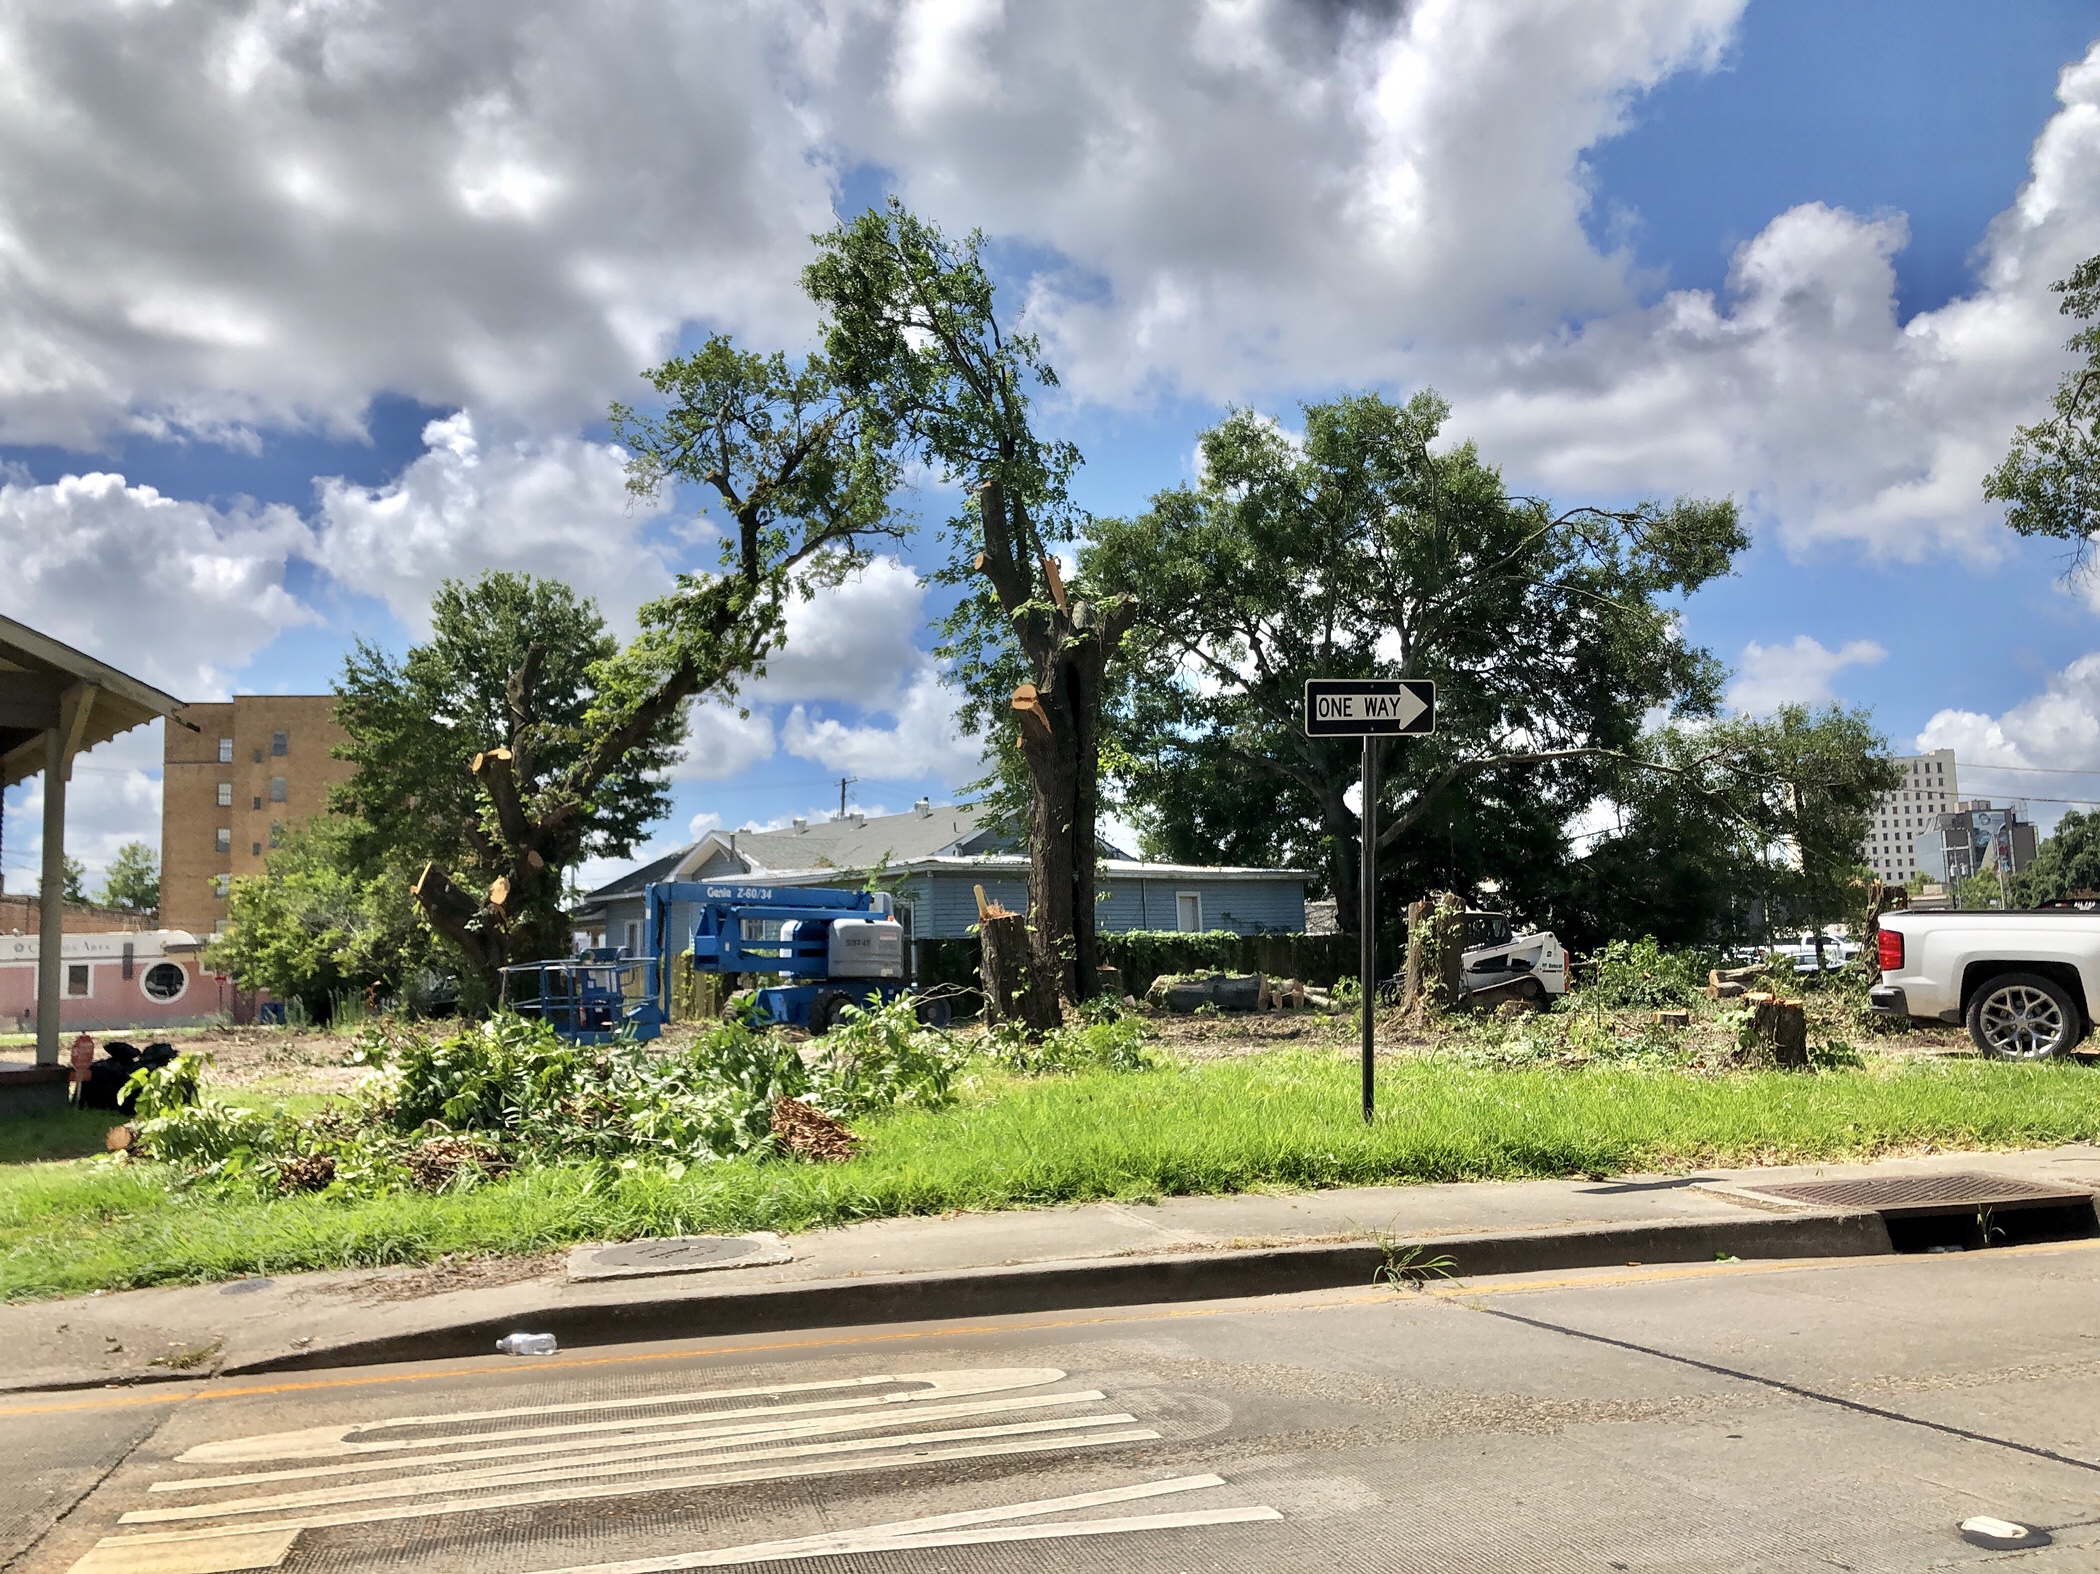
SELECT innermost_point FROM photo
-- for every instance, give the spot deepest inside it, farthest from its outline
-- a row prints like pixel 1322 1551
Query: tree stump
pixel 1781 1027
pixel 1014 988
pixel 1434 981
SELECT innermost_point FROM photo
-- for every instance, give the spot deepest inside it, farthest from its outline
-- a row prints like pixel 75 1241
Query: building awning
pixel 45 685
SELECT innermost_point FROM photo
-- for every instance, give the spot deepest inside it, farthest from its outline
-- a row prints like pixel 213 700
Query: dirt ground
pixel 309 1061
pixel 314 1062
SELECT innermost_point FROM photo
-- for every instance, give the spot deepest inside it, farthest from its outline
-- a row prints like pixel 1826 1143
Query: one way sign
pixel 1357 707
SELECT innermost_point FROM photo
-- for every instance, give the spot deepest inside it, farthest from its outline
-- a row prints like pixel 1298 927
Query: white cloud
pixel 2055 730
pixel 1265 193
pixel 722 743
pixel 219 217
pixel 1797 673
pixel 924 742
pixel 857 642
pixel 553 506
pixel 1803 393
pixel 703 822
pixel 179 594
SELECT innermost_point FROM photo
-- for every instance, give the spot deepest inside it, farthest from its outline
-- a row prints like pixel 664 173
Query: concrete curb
pixel 1115 1281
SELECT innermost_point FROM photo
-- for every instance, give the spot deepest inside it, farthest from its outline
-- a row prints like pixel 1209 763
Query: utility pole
pixel 844 783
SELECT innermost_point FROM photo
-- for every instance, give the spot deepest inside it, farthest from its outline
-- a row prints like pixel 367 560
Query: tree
pixel 132 880
pixel 2050 479
pixel 73 883
pixel 1360 551
pixel 912 332
pixel 2066 864
pixel 311 926
pixel 523 737
pixel 508 665
pixel 1746 818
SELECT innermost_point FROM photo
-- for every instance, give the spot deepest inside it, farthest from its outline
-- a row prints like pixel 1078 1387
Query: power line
pixel 2029 770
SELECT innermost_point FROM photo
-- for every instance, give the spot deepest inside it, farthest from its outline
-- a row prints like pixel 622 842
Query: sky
pixel 306 305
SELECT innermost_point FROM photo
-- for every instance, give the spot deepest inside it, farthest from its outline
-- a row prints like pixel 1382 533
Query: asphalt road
pixel 1734 1416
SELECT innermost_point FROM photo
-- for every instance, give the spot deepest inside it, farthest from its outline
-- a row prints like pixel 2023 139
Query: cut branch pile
pixel 809 1133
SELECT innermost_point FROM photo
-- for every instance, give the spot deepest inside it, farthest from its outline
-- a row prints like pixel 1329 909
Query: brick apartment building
pixel 260 764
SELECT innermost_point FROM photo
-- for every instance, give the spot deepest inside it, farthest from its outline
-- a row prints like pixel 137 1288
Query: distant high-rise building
pixel 258 765
pixel 1904 820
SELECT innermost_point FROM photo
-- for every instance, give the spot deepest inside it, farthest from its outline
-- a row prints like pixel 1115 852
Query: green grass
pixel 1279 1121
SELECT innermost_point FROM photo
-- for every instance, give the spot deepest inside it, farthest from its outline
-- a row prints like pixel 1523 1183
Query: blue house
pixel 934 858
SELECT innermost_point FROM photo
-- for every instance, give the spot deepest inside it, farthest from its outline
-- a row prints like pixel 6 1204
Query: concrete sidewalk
pixel 1109 1253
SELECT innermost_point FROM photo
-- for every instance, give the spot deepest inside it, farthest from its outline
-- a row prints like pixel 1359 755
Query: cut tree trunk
pixel 1067 644
pixel 1781 1027
pixel 1435 979
pixel 1017 988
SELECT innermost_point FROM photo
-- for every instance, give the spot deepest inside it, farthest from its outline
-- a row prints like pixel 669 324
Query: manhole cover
pixel 676 1254
pixel 1963 1192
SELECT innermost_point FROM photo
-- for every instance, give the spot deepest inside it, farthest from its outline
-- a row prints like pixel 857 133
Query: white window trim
pixel 164 1000
pixel 1189 896
pixel 67 982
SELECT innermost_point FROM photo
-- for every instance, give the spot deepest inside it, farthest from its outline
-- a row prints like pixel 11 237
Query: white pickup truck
pixel 2023 982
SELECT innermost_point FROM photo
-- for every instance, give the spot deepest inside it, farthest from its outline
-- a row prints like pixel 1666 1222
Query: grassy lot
pixel 1282 1119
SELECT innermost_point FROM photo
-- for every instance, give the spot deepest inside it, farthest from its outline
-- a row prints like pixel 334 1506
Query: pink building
pixel 146 979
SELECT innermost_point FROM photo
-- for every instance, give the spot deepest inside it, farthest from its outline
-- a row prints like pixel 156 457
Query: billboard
pixel 1990 838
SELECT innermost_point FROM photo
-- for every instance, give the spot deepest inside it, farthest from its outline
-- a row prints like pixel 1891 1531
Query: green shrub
pixel 1641 975
pixel 882 1058
pixel 1106 1042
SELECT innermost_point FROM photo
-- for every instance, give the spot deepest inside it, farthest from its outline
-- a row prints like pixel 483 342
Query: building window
pixel 225 751
pixel 1188 912
pixel 634 937
pixel 256 755
pixel 258 800
pixel 226 795
pixel 276 834
pixel 280 744
pixel 220 885
pixel 224 839
pixel 277 789
pixel 164 982
pixel 77 976
pixel 255 849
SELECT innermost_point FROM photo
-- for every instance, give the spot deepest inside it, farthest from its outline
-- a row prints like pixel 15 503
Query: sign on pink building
pixel 144 979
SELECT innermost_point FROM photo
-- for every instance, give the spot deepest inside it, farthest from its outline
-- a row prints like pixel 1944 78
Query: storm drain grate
pixel 1963 1192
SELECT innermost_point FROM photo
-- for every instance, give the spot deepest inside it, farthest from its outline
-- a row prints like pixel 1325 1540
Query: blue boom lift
pixel 831 949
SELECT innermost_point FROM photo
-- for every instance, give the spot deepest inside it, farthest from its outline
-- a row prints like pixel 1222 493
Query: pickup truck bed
pixel 2024 983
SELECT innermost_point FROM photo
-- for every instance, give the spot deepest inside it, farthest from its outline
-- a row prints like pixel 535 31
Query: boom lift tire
pixel 824 1011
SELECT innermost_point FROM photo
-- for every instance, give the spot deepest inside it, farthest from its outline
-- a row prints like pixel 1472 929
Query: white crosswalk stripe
pixel 973 1527
pixel 399 1468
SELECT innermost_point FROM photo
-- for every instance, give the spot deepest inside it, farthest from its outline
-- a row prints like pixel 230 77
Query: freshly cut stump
pixel 809 1133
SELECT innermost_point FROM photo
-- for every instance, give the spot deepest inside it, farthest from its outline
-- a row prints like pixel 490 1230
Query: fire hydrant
pixel 83 1060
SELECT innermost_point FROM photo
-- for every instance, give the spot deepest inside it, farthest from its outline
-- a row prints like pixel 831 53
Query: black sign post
pixel 1369 708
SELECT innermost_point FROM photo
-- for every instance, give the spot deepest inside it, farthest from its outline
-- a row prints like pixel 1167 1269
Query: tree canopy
pixel 2067 863
pixel 523 736
pixel 132 880
pixel 311 927
pixel 1362 550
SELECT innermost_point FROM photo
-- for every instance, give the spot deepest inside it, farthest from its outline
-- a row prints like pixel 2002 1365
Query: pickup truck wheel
pixel 2022 1016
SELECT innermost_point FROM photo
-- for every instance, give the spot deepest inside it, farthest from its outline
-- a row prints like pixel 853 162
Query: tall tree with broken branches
pixel 523 738
pixel 912 330
pixel 1360 550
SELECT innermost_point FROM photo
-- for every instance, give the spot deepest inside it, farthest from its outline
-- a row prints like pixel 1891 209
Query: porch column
pixel 51 922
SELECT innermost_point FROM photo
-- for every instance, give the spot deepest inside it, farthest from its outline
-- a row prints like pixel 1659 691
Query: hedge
pixel 1144 954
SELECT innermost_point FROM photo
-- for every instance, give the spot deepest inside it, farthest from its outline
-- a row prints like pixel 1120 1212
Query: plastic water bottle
pixel 526 1344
